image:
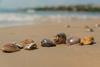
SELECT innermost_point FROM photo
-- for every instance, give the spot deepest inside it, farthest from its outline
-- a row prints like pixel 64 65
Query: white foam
pixel 14 19
pixel 26 17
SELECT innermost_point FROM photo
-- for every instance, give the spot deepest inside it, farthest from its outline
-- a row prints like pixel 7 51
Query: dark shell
pixel 60 38
pixel 10 47
pixel 47 43
pixel 63 35
pixel 73 40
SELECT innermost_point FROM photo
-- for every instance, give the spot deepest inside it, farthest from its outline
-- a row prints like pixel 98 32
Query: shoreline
pixel 44 19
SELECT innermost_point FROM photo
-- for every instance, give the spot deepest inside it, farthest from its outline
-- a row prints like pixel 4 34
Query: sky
pixel 34 3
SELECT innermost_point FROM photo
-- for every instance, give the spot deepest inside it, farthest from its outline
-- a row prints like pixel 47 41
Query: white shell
pixel 30 46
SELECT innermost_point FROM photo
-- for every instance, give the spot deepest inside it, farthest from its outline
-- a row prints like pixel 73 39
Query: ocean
pixel 10 18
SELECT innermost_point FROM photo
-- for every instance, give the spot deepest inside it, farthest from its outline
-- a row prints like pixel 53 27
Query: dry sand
pixel 59 56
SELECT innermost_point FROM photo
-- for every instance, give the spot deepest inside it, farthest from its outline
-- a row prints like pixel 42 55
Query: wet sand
pixel 59 56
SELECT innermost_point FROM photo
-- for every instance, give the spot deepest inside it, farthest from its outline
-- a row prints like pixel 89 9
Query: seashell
pixel 24 43
pixel 89 30
pixel 60 38
pixel 73 40
pixel 97 25
pixel 30 46
pixel 47 43
pixel 87 40
pixel 10 47
pixel 19 45
pixel 27 41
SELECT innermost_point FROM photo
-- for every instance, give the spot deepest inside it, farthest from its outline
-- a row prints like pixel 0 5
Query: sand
pixel 59 56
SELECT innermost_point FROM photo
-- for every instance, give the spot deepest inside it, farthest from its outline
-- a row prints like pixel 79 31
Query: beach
pixel 59 56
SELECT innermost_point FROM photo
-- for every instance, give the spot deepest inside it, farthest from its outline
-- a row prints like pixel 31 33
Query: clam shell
pixel 73 40
pixel 10 47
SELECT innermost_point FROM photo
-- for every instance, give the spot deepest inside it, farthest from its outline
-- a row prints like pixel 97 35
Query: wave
pixel 30 17
pixel 14 19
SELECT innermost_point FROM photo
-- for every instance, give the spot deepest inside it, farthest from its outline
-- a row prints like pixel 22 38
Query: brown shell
pixel 10 47
pixel 60 38
pixel 25 42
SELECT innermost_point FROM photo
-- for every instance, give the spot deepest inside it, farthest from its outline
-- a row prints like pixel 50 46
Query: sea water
pixel 17 18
